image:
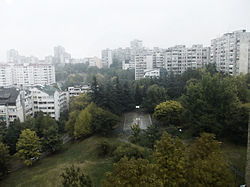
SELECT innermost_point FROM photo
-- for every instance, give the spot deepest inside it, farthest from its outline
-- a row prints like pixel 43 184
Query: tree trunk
pixel 247 176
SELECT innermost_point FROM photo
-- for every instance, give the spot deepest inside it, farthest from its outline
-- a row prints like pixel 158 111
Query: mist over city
pixel 124 93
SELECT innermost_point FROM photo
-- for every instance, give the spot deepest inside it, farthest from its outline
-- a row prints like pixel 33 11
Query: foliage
pixel 147 137
pixel 51 141
pixel 106 149
pixel 114 96
pixel 206 164
pixel 12 134
pixel 82 126
pixel 28 147
pixel 79 102
pixel 130 151
pixel 133 172
pixel 170 159
pixel 169 112
pixel 94 119
pixel 42 123
pixel 173 131
pixel 155 94
pixel 74 177
pixel 4 159
pixel 135 128
pixel 209 104
pixel 3 129
pixel 69 126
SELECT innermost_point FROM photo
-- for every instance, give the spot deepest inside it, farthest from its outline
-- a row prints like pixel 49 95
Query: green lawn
pixel 47 171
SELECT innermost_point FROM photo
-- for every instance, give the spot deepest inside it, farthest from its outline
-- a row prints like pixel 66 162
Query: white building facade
pixel 26 74
pixel 231 52
pixel 107 59
pixel 180 58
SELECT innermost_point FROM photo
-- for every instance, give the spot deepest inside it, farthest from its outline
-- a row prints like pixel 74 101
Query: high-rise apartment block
pixel 61 56
pixel 26 74
pixel 180 58
pixel 12 56
pixel 231 52
pixel 107 58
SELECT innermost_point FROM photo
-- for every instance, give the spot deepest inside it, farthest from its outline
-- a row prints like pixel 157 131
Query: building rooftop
pixel 8 96
pixel 50 90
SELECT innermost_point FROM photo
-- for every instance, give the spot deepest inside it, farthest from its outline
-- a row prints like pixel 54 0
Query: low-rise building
pixel 46 99
pixel 11 106
pixel 77 90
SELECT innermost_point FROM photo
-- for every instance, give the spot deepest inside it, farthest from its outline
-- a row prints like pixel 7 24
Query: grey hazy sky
pixel 85 27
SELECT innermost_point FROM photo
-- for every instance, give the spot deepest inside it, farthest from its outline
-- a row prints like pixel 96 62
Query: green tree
pixel 28 147
pixel 4 159
pixel 149 136
pixel 74 177
pixel 130 151
pixel 69 126
pixel 171 160
pixel 79 102
pixel 43 122
pixel 169 112
pixel 206 164
pixel 3 129
pixel 12 134
pixel 132 173
pixel 103 122
pixel 138 95
pixel 51 141
pixel 82 127
pixel 209 103
pixel 135 134
pixel 155 94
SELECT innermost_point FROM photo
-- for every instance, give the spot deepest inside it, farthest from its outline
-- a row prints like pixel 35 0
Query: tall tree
pixel 206 164
pixel 28 147
pixel 209 103
pixel 82 127
pixel 51 141
pixel 4 159
pixel 154 95
pixel 12 134
pixel 171 160
pixel 247 175
pixel 169 112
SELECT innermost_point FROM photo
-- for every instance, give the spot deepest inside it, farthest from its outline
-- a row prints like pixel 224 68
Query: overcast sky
pixel 85 27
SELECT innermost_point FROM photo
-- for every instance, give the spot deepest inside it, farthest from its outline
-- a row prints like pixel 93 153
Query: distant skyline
pixel 85 27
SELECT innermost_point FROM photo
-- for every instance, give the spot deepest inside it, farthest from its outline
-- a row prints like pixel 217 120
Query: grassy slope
pixel 47 171
pixel 84 154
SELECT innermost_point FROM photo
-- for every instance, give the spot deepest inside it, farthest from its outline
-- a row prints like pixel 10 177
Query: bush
pixel 130 150
pixel 105 149
pixel 73 176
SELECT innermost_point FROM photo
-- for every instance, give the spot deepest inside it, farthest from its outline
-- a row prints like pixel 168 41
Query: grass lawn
pixel 47 171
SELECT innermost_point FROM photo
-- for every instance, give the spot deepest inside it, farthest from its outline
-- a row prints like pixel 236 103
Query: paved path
pixel 130 118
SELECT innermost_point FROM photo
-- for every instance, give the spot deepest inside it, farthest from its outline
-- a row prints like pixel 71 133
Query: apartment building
pixel 231 52
pixel 147 61
pixel 180 58
pixel 26 74
pixel 128 64
pixel 77 90
pixel 11 106
pixel 45 99
pixel 107 59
